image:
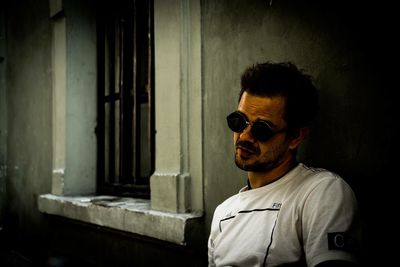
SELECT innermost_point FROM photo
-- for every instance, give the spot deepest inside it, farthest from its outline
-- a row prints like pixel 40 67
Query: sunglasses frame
pixel 260 136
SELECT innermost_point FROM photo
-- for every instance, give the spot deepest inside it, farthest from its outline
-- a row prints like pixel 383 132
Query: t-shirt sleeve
pixel 330 222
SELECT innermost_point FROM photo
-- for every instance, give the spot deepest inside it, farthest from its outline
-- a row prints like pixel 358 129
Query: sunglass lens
pixel 236 122
pixel 261 131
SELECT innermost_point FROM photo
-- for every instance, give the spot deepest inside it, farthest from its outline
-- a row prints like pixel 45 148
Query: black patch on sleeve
pixel 341 241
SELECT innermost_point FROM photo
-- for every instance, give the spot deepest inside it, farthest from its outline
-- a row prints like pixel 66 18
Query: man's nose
pixel 246 134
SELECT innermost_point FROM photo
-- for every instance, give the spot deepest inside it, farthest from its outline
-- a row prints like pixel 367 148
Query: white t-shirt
pixel 308 215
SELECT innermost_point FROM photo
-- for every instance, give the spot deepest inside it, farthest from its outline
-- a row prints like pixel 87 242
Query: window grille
pixel 125 128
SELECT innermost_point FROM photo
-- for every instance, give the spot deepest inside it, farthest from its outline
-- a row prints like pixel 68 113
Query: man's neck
pixel 259 179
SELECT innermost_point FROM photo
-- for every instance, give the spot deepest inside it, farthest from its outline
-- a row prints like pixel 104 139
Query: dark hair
pixel 286 80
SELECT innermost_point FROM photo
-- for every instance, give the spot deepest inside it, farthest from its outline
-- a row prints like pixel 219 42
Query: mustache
pixel 248 146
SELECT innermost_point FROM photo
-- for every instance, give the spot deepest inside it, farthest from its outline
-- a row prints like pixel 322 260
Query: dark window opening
pixel 125 128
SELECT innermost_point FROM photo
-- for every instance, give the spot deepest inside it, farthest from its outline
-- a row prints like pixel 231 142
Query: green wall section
pixel 28 91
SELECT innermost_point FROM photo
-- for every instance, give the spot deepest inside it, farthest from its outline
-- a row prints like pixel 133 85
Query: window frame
pixel 125 59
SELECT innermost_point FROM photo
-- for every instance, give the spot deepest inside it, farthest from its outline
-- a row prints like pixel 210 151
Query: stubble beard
pixel 256 166
pixel 259 165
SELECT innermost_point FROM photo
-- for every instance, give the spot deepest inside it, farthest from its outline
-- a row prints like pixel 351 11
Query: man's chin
pixel 247 165
pixel 242 164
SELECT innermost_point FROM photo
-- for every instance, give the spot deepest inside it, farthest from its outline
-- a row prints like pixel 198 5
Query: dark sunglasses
pixel 260 129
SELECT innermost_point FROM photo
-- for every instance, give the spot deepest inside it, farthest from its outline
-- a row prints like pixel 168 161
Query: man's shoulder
pixel 310 179
pixel 312 174
pixel 317 171
pixel 228 201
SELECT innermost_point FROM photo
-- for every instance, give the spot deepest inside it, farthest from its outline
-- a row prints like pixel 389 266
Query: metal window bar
pixel 125 128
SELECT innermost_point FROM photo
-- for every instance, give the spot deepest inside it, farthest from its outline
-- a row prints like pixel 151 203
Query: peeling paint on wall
pixel 59 171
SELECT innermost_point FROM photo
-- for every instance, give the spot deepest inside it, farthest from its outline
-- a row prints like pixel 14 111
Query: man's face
pixel 254 155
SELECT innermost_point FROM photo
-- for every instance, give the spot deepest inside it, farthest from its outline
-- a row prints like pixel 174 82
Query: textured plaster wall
pixel 28 113
pixel 81 98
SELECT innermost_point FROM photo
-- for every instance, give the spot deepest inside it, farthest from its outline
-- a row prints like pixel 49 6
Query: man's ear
pixel 298 136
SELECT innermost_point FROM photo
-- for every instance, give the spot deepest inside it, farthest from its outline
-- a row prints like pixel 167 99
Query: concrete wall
pixel 28 80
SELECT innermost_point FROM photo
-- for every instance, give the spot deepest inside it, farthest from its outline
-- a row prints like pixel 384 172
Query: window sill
pixel 126 214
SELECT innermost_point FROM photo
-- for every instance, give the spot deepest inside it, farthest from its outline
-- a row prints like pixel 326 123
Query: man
pixel 288 214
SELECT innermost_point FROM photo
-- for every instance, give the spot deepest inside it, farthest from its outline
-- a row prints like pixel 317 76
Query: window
pixel 175 211
pixel 125 130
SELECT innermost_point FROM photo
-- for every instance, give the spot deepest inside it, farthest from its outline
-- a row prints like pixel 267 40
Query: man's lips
pixel 245 151
pixel 246 148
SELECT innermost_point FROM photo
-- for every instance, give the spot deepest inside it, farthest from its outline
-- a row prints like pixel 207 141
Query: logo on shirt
pixel 341 241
